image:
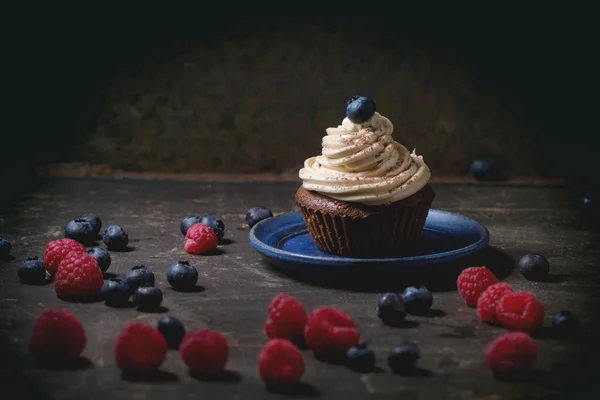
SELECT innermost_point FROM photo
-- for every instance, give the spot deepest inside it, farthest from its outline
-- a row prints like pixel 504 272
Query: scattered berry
pixel 390 309
pixel 78 277
pixel 32 271
pixel 139 348
pixel 56 250
pixel 280 363
pixel 534 267
pixel 188 222
pixel 115 238
pixel 115 292
pixel 215 224
pixel 565 323
pixel 360 357
pixel 257 214
pixel 330 331
pixel 102 256
pixel 138 276
pixel 286 318
pixel 182 276
pixel 486 304
pixel 205 352
pixel 472 282
pixel 80 230
pixel 173 331
pixel 200 239
pixel 417 300
pixel 485 170
pixel 5 247
pixel 57 334
pixel 360 109
pixel 403 358
pixel 95 221
pixel 511 352
pixel 520 311
pixel 147 297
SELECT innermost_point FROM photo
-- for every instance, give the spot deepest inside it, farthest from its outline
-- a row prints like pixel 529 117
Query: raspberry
pixel 139 348
pixel 286 319
pixel 520 311
pixel 205 352
pixel 56 250
pixel 511 352
pixel 472 282
pixel 78 276
pixel 200 239
pixel 330 331
pixel 486 305
pixel 280 362
pixel 57 333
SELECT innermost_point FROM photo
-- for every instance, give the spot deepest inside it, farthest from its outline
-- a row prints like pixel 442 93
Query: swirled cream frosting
pixel 362 163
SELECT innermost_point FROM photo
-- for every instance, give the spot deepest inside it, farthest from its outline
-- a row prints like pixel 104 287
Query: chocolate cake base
pixel 357 230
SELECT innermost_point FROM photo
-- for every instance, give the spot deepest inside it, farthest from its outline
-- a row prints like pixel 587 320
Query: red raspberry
pixel 57 333
pixel 56 250
pixel 511 352
pixel 139 348
pixel 280 362
pixel 205 352
pixel 472 282
pixel 486 305
pixel 78 276
pixel 200 239
pixel 286 319
pixel 330 331
pixel 520 311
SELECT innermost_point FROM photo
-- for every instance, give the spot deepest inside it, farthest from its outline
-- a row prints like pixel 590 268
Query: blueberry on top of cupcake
pixel 360 109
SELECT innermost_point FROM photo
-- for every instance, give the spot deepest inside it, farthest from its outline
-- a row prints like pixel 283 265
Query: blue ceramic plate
pixel 285 242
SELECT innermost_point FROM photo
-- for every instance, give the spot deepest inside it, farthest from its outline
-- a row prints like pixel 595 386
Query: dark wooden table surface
pixel 238 286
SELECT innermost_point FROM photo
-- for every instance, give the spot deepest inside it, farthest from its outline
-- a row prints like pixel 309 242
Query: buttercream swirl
pixel 362 163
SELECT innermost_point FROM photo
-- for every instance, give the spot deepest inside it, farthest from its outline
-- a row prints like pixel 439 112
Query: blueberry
pixel 360 357
pixel 95 221
pixel 102 256
pixel 360 109
pixel 147 297
pixel 403 358
pixel 5 247
pixel 182 276
pixel 257 214
pixel 115 238
pixel 417 300
pixel 115 292
pixel 485 170
pixel 565 324
pixel 32 271
pixel 80 230
pixel 188 222
pixel 172 329
pixel 215 223
pixel 534 267
pixel 139 276
pixel 390 309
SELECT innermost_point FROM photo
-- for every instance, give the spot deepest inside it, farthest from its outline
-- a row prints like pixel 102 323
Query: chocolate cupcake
pixel 366 195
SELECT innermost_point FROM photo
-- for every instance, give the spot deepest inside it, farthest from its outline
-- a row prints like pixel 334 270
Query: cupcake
pixel 366 195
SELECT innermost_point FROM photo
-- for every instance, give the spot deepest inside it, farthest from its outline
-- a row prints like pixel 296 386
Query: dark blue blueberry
pixel 147 297
pixel 215 223
pixel 115 238
pixel 257 214
pixel 5 247
pixel 360 357
pixel 360 109
pixel 172 329
pixel 417 300
pixel 403 358
pixel 485 170
pixel 115 292
pixel 32 271
pixel 95 221
pixel 534 267
pixel 390 309
pixel 80 230
pixel 565 324
pixel 188 222
pixel 139 276
pixel 102 256
pixel 182 276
